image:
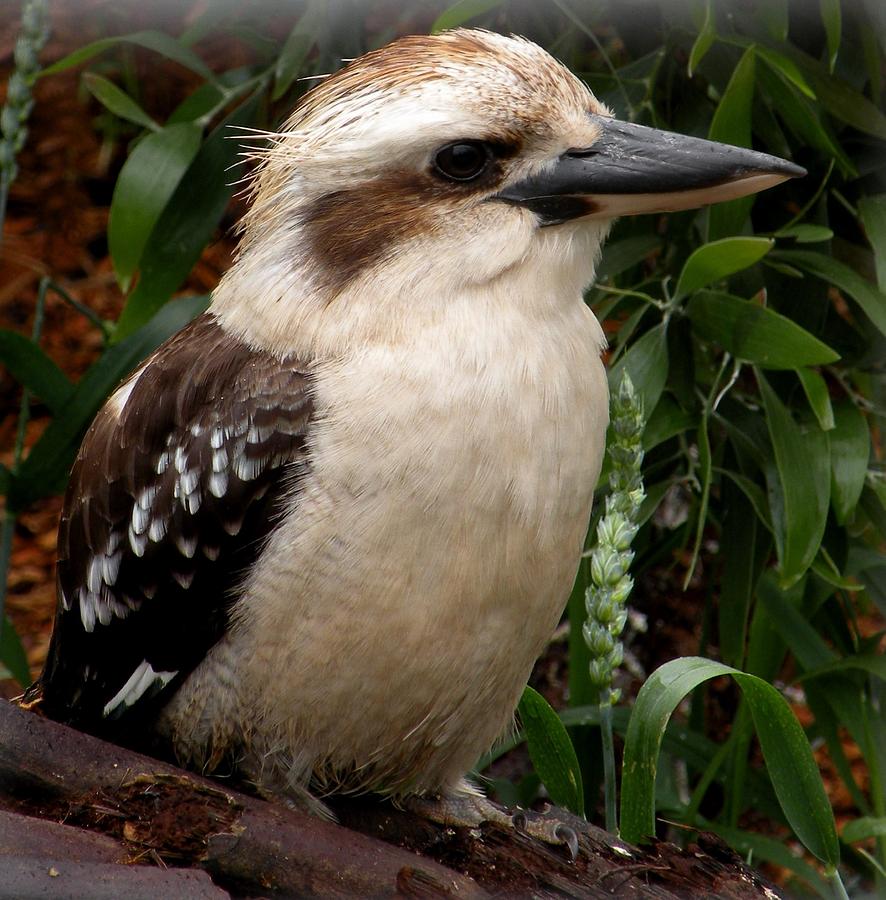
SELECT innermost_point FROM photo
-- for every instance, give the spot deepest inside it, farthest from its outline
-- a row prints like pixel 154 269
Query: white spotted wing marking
pixel 143 679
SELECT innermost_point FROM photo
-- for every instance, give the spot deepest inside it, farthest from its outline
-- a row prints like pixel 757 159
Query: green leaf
pixel 146 182
pixel 802 461
pixel 297 47
pixel 833 25
pixel 462 12
pixel 754 494
pixel 551 751
pixel 12 653
pixel 186 223
pixel 31 367
pixel 839 98
pixel 739 575
pixel 646 361
pixel 871 300
pixel 787 69
pixel 118 102
pixel 45 469
pixel 816 390
pixel 774 15
pixel 871 663
pixel 800 114
pixel 786 751
pixel 719 259
pixel 622 255
pixel 873 215
pixel 667 420
pixel 704 41
pixel 755 333
pixel 732 125
pixel 850 452
pixel 864 828
pixel 151 40
pixel 806 234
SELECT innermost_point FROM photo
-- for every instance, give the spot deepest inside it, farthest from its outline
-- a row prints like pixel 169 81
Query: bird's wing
pixel 177 485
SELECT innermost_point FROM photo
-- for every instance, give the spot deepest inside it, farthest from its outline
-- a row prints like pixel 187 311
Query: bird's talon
pixel 518 820
pixel 568 836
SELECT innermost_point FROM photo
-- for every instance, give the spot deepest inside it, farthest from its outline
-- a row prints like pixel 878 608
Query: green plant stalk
pixel 13 130
pixel 610 560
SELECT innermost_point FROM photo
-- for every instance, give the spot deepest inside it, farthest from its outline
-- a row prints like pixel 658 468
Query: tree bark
pixel 76 813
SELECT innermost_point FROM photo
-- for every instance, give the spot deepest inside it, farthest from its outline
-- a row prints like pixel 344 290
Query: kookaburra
pixel 323 532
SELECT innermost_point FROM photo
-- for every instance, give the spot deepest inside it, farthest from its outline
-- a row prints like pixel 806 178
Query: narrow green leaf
pixel 873 215
pixel 850 452
pixel 792 768
pixel 787 68
pixel 45 469
pixel 803 466
pixel 864 828
pixel 801 114
pixel 871 300
pixel 806 234
pixel 621 255
pixel 774 15
pixel 667 420
pixel 117 101
pixel 186 223
pixel 872 663
pixel 839 98
pixel 816 390
pixel 151 40
pixel 297 47
pixel 146 182
pixel 12 653
pixel 832 20
pixel 788 755
pixel 31 367
pixel 719 259
pixel 551 751
pixel 646 361
pixel 732 125
pixel 462 12
pixel 755 333
pixel 704 41
pixel 739 574
pixel 754 494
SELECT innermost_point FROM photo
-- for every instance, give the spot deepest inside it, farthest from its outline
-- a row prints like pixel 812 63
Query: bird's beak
pixel 633 169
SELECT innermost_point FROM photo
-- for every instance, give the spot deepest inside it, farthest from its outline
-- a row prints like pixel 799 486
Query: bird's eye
pixel 463 160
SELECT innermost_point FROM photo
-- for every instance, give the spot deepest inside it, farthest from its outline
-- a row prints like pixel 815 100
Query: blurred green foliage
pixel 755 333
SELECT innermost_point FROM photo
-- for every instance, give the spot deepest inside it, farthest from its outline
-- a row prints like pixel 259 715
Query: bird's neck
pixel 272 299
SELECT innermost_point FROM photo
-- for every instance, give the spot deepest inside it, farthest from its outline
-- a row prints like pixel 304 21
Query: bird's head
pixel 442 163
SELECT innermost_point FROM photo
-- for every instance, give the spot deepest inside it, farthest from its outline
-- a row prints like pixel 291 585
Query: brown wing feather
pixel 168 505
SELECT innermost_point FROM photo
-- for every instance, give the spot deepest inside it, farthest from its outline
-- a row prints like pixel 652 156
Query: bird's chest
pixel 481 459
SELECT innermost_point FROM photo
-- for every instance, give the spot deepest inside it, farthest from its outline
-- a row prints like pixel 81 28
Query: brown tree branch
pixel 79 807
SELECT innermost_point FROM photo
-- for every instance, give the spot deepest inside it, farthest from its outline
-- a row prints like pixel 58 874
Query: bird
pixel 321 535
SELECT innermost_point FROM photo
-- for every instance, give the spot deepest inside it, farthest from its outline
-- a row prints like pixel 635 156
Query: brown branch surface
pixel 83 818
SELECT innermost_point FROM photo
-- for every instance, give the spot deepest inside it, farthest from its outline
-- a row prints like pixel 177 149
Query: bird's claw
pixel 471 811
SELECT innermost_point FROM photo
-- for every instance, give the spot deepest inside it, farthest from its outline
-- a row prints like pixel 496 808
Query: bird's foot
pixel 471 811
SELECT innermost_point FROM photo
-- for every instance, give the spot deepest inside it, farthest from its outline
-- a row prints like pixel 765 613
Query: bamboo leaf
pixel 802 460
pixel 31 367
pixel 146 182
pixel 788 755
pixel 732 125
pixel 186 223
pixel 117 101
pixel 868 297
pixel 551 751
pixel 850 452
pixel 816 390
pixel 719 259
pixel 151 40
pixel 754 333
